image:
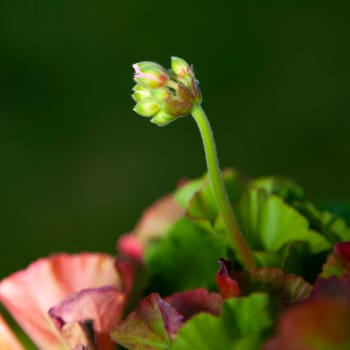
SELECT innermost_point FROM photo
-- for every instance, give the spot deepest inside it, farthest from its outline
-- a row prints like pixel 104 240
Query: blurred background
pixel 78 166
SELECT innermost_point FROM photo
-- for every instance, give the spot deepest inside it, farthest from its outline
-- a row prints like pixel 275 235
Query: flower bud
pixel 161 94
pixel 162 119
pixel 140 93
pixel 146 107
pixel 180 67
pixel 150 74
pixel 165 95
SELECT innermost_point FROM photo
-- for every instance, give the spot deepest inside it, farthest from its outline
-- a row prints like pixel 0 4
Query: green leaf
pixel 280 224
pixel 185 192
pixel 340 208
pixel 287 189
pixel 202 205
pixel 185 259
pixel 269 223
pixel 243 324
pixel 330 225
pixel 248 215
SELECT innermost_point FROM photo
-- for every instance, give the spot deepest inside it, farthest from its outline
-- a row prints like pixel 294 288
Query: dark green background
pixel 78 166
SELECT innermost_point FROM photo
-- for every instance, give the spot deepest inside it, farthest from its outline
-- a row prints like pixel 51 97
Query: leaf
pixel 330 225
pixel 339 208
pixel 202 205
pixel 185 259
pixel 196 195
pixel 319 323
pixel 243 325
pixel 150 327
pixel 186 191
pixel 228 287
pixel 280 224
pixel 192 302
pixel 337 263
pixel 282 288
pixel 287 189
pixel 269 223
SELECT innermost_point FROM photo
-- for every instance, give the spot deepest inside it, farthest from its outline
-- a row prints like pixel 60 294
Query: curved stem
pixel 242 249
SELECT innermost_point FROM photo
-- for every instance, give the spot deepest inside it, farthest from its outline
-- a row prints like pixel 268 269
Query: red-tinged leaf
pixel 192 302
pixel 102 307
pixel 318 324
pixel 228 287
pixel 285 288
pixel 337 263
pixel 150 327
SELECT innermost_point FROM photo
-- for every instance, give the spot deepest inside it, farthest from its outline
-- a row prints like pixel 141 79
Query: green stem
pixel 218 187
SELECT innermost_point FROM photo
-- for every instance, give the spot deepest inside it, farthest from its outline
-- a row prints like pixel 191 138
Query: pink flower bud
pixel 150 74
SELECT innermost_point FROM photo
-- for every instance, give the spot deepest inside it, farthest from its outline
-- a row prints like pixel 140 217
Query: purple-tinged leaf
pixel 150 327
pixel 333 287
pixel 192 302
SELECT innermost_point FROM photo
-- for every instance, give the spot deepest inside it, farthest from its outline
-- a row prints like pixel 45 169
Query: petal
pixel 101 306
pixel 28 294
pixel 8 341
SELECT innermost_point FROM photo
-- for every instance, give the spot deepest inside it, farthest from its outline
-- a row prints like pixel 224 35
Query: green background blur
pixel 78 166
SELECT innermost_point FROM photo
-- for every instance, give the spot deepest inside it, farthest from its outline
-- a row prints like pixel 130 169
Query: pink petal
pixel 8 341
pixel 103 306
pixel 28 294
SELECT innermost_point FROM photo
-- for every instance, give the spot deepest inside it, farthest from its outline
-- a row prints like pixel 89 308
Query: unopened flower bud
pixel 165 95
pixel 161 94
pixel 162 119
pixel 140 93
pixel 150 74
pixel 146 107
pixel 180 67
